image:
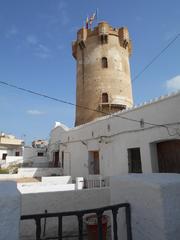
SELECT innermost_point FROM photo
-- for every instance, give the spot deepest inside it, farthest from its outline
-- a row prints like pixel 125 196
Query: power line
pixel 95 110
pixel 155 57
pixel 84 107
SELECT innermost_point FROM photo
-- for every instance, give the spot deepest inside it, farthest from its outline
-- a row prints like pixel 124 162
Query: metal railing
pixel 80 214
pixel 96 182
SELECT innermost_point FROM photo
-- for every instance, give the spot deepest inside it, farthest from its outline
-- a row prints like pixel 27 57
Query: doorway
pixel 94 167
pixel 168 153
pixel 56 159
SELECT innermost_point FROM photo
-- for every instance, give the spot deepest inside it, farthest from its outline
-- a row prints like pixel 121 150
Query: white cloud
pixel 38 49
pixel 42 51
pixel 35 112
pixel 173 84
pixel 32 39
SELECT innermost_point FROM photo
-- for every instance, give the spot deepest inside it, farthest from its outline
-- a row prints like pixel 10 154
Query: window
pixel 40 154
pixel 104 62
pixel 82 44
pixel 105 98
pixel 17 154
pixel 4 156
pixel 134 160
pixel 104 39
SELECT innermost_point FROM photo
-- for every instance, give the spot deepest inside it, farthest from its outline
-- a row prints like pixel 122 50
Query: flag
pixel 87 22
pixel 92 18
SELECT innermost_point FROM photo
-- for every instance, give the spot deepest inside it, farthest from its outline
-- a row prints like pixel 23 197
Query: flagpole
pixel 97 14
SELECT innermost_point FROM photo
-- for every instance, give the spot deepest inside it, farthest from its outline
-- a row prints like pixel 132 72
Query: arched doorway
pixel 168 153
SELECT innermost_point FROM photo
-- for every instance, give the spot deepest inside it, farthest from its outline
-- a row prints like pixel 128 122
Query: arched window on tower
pixel 104 62
pixel 105 98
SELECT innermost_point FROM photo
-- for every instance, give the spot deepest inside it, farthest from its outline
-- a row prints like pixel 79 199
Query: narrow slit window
pixel 104 62
pixel 104 39
pixel 105 98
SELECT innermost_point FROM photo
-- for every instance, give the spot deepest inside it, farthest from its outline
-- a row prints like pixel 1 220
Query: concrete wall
pixel 60 202
pixel 8 176
pixel 155 205
pixel 9 211
pixel 39 172
pixel 26 188
pixel 112 136
pixel 57 180
pixel 30 155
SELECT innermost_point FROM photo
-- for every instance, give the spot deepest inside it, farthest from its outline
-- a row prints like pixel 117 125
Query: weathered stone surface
pixel 93 80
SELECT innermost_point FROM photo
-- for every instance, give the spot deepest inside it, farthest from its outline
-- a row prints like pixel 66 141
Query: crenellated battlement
pixel 102 31
pixel 103 71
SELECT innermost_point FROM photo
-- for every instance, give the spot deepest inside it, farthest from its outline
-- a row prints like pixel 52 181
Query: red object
pixel 92 227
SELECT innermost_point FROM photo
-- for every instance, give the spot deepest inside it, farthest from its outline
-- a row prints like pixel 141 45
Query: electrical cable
pixel 87 108
pixel 84 141
pixel 155 57
pixel 95 110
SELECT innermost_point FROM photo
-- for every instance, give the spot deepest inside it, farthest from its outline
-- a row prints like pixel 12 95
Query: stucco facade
pixel 103 72
pixel 11 150
pixel 114 136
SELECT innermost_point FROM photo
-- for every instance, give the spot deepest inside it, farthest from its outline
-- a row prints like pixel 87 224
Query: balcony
pixel 112 103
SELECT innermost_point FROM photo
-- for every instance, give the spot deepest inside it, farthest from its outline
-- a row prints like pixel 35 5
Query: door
pixel 94 167
pixel 169 156
pixel 56 159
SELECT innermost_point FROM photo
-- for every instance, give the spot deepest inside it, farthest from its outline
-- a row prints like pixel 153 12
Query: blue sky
pixel 35 53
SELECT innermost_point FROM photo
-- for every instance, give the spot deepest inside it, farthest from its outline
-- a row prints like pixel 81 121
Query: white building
pixel 144 139
pixel 36 155
pixel 11 150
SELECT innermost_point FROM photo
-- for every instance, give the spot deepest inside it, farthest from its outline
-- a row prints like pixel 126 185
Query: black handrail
pixel 98 211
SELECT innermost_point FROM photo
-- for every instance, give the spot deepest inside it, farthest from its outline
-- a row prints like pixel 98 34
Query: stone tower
pixel 103 71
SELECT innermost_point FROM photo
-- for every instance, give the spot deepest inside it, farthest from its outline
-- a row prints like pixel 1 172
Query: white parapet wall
pixel 9 211
pixel 39 172
pixel 5 177
pixel 26 188
pixel 34 203
pixel 155 204
pixel 57 179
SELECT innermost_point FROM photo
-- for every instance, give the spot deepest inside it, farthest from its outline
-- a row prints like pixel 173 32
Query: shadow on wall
pixel 39 172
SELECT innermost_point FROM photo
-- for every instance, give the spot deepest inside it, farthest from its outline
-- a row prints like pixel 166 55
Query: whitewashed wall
pixel 9 211
pixel 155 205
pixel 10 152
pixel 30 155
pixel 60 202
pixel 39 172
pixel 125 134
pixel 59 180
pixel 26 188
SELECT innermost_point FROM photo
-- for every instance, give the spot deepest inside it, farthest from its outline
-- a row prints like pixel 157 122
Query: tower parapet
pixel 103 71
